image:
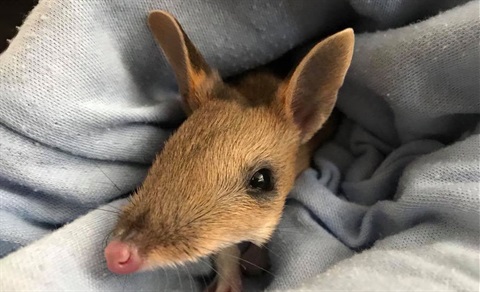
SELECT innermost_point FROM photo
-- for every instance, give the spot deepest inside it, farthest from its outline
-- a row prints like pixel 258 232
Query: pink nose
pixel 122 258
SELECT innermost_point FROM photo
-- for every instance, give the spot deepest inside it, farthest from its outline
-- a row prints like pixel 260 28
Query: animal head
pixel 223 176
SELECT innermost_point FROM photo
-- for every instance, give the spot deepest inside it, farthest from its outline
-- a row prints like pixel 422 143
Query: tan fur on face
pixel 195 196
pixel 195 199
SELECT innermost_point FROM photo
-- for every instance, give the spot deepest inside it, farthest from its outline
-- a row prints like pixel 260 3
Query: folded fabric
pixel 392 203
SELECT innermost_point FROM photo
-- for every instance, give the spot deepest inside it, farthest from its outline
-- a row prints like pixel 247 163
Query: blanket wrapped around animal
pixel 391 203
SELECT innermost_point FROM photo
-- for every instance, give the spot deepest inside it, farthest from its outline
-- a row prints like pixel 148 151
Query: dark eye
pixel 261 180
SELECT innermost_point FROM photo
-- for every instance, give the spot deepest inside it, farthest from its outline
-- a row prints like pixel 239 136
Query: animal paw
pixel 233 284
pixel 229 276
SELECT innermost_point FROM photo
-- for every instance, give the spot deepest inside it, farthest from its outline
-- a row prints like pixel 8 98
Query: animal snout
pixel 122 258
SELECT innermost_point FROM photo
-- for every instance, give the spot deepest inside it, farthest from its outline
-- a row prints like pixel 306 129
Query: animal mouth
pixel 122 258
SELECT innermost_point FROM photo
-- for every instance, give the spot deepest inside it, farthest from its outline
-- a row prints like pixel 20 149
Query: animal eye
pixel 261 180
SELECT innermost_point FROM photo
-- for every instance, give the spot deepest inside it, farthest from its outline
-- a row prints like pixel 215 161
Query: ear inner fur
pixel 311 92
pixel 194 76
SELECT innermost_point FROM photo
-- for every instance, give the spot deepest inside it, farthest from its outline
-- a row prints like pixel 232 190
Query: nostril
pixel 125 261
pixel 122 258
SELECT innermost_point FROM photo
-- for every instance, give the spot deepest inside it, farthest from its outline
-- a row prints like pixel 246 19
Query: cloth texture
pixel 391 203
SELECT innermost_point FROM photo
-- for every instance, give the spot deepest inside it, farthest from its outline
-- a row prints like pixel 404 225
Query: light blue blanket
pixel 86 99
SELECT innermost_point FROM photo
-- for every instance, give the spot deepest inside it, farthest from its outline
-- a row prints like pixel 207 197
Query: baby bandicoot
pixel 222 178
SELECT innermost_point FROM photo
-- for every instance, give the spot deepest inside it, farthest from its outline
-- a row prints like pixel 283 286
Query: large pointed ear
pixel 194 76
pixel 310 94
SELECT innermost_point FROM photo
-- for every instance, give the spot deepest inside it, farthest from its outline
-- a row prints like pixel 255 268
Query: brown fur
pixel 194 200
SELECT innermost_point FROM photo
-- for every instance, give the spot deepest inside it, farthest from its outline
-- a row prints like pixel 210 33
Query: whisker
pixel 203 276
pixel 246 261
pixel 106 239
pixel 249 262
pixel 270 250
pixel 107 177
pixel 110 211
pixel 216 272
pixel 115 208
pixel 293 231
pixel 192 281
pixel 179 278
pixel 208 264
pixel 166 278
pixel 226 241
pixel 204 282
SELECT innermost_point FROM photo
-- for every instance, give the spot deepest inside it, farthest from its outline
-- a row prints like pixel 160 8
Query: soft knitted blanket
pixel 87 99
